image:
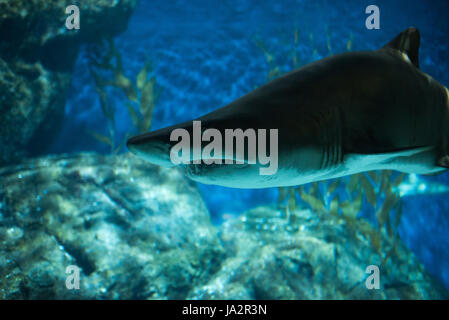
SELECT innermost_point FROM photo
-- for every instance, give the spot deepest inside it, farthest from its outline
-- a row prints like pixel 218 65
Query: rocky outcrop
pixel 135 231
pixel 37 53
pixel 315 257
pixel 138 231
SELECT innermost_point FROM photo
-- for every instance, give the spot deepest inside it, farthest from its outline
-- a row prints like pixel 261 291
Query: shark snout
pixel 152 148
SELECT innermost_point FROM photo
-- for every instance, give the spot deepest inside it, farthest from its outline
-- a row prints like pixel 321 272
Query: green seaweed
pixel 374 189
pixel 274 70
pixel 141 93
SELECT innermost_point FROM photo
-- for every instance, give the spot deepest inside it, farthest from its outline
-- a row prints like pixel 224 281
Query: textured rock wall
pixel 314 257
pixel 37 54
pixel 138 231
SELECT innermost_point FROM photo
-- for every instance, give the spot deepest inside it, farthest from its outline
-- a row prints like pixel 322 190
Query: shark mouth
pixel 202 169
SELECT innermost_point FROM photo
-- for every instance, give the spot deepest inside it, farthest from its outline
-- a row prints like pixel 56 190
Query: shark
pixel 344 114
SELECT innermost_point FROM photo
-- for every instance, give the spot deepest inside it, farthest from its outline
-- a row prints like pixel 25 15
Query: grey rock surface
pixel 136 231
pixel 139 231
pixel 315 257
pixel 37 54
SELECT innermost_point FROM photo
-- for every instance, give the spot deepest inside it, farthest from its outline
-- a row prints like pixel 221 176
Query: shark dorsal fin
pixel 407 42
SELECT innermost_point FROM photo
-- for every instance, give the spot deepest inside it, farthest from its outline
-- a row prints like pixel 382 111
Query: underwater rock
pixel 31 98
pixel 311 257
pixel 136 231
pixel 37 54
pixel 139 231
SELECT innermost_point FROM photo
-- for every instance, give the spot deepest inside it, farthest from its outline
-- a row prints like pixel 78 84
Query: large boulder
pixel 136 231
pixel 37 54
pixel 312 257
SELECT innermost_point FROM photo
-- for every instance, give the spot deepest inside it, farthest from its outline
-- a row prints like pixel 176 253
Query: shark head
pixel 202 154
pixel 152 147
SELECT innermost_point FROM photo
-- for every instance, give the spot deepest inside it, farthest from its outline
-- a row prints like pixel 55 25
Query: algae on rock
pixel 139 231
pixel 136 231
pixel 37 54
pixel 316 257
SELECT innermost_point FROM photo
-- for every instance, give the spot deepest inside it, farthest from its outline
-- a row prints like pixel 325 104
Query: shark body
pixel 345 114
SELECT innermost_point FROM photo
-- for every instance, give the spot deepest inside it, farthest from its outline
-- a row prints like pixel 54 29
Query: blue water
pixel 204 57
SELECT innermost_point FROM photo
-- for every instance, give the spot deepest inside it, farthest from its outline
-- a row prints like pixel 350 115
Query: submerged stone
pixel 37 55
pixel 315 257
pixel 135 231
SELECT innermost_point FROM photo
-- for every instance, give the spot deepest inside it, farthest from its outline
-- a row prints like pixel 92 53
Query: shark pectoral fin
pixel 432 174
pixel 407 152
pixel 444 162
pixel 367 159
pixel 407 42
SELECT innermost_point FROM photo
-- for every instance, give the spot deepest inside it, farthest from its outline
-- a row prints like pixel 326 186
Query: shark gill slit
pixel 338 137
pixel 332 149
pixel 326 157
